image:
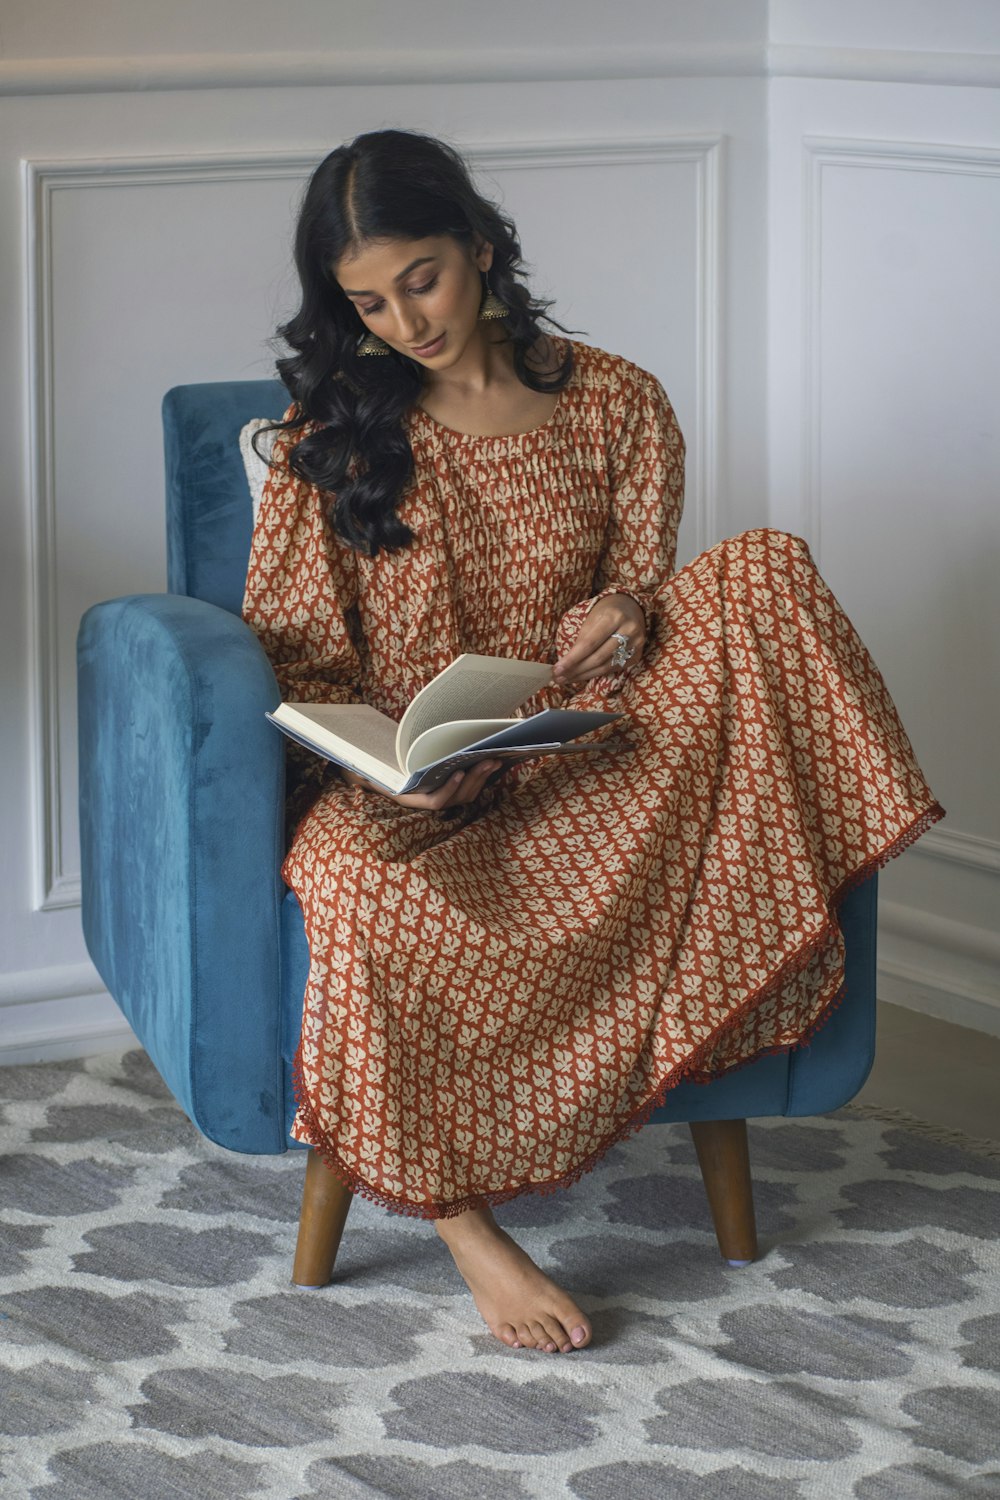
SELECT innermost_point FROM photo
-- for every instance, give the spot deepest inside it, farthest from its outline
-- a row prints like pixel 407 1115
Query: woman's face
pixel 421 296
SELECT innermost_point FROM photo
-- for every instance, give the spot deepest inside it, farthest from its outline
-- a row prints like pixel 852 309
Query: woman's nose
pixel 408 322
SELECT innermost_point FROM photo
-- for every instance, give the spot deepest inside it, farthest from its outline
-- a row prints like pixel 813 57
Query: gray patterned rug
pixel 152 1348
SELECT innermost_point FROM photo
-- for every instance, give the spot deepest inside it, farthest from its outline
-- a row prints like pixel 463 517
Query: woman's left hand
pixel 593 650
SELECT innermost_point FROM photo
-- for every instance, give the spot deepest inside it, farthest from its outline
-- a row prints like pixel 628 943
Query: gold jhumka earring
pixel 491 309
pixel 370 343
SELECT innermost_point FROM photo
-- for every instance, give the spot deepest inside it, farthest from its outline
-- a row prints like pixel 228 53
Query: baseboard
pixel 935 995
pixel 50 1030
pixel 939 967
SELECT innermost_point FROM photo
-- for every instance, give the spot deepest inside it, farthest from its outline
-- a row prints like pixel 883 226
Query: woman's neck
pixel 486 366
pixel 494 404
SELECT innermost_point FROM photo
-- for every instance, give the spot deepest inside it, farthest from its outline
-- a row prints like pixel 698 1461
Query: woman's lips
pixel 425 351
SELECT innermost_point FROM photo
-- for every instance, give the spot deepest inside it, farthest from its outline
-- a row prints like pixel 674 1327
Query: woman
pixel 508 973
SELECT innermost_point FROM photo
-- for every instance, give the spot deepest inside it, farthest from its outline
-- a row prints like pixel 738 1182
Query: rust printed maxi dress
pixel 494 998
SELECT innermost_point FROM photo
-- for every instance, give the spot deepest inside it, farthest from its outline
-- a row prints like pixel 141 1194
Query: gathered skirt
pixel 496 998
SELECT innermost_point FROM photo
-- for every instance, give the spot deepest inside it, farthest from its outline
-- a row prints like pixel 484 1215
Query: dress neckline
pixel 502 437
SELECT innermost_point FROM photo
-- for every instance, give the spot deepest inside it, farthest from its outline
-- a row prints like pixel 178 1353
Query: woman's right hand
pixel 459 790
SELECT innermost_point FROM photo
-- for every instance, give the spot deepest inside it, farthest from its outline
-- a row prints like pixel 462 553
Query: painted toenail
pixel 578 1335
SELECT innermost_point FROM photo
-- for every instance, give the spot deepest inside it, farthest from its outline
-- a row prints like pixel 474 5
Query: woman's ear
pixel 483 253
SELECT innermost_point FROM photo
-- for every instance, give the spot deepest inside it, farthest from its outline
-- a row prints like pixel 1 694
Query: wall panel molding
pixel 325 68
pixel 927 962
pixel 439 66
pixel 54 885
pixel 821 154
pixel 884 65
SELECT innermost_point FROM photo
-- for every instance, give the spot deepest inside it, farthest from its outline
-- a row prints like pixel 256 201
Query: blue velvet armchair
pixel 182 824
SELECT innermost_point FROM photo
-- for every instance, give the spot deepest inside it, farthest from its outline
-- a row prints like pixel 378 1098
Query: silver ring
pixel 623 651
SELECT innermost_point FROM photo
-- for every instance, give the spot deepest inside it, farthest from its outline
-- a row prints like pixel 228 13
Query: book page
pixel 444 739
pixel 351 732
pixel 472 687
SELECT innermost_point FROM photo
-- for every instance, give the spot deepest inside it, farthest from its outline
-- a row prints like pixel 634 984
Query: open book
pixel 460 717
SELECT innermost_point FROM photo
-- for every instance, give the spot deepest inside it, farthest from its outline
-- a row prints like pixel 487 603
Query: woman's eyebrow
pixel 423 261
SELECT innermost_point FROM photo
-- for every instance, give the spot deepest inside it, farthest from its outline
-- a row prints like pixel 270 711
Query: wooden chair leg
pixel 325 1204
pixel 724 1160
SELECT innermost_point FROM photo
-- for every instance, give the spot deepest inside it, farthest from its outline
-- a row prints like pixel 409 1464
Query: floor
pixel 946 1074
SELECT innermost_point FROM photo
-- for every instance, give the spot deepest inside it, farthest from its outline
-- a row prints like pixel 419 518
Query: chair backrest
pixel 209 510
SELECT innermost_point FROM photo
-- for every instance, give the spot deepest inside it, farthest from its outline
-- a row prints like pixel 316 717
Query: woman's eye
pixel 417 291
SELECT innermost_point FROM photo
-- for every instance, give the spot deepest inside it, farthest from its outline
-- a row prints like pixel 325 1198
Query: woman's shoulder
pixel 599 372
pixel 279 438
pixel 612 396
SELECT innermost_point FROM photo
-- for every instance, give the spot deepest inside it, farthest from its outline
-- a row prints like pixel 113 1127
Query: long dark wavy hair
pixel 389 184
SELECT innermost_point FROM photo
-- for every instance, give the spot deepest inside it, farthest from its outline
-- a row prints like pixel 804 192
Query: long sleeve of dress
pixel 647 481
pixel 646 476
pixel 301 591
pixel 300 595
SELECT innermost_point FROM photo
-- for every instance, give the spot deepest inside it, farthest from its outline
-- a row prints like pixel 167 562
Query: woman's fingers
pixel 600 662
pixel 592 653
pixel 462 788
pixel 468 787
pixel 459 789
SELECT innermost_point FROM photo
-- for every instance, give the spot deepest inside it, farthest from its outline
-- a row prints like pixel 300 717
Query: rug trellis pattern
pixel 151 1345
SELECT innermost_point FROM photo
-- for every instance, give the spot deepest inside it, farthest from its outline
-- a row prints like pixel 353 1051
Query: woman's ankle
pixel 460 1227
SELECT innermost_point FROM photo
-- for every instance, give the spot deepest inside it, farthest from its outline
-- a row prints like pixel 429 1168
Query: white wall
pixel 891 26
pixel 148 174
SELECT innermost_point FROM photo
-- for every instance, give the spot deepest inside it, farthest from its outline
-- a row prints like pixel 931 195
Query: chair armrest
pixel 182 834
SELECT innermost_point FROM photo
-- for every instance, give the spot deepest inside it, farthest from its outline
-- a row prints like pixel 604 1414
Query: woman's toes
pixel 542 1336
pixel 579 1336
pixel 557 1334
pixel 526 1337
pixel 508 1335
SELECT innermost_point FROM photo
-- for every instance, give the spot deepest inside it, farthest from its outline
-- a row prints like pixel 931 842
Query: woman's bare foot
pixel 518 1302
